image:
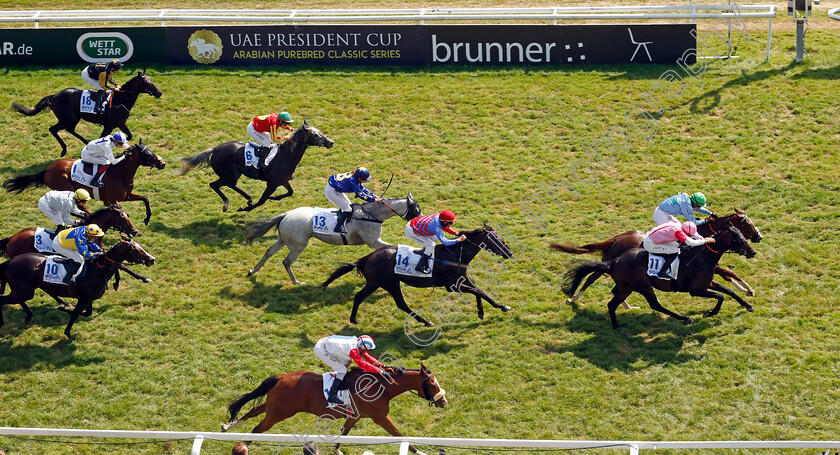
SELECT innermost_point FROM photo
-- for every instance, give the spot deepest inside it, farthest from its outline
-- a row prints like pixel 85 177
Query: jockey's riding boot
pixel 333 398
pixel 342 220
pixel 666 266
pixel 423 263
pixel 96 180
pixel 420 251
pixel 261 154
pixel 99 104
pixel 60 227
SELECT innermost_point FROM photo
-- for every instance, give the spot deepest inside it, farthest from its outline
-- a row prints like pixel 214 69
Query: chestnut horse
pixel 612 248
pixel 696 271
pixel 65 106
pixel 302 391
pixel 118 181
pixel 25 273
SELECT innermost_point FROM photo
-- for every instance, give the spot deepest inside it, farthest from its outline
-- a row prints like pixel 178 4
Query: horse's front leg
pixel 62 305
pixel 80 305
pixel 719 287
pixel 733 278
pixel 348 425
pixel 468 286
pixel 289 192
pixel 388 425
pixel 124 129
pixel 137 197
pixel 269 189
pixel 133 274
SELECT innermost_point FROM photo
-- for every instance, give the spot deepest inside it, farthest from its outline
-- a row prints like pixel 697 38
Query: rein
pixel 424 387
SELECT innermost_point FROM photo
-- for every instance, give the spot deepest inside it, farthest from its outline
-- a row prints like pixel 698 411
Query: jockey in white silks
pixel 338 352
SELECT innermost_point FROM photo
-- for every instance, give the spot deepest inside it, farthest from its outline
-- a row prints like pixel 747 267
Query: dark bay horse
pixel 118 180
pixel 25 273
pixel 696 271
pixel 449 272
pixel 228 162
pixel 612 248
pixel 302 391
pixel 65 106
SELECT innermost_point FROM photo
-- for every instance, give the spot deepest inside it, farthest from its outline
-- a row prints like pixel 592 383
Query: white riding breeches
pixel 338 198
pixel 91 158
pixel 427 242
pixel 331 361
pixel 91 81
pixel 660 217
pixel 72 254
pixel 54 215
pixel 661 248
pixel 263 139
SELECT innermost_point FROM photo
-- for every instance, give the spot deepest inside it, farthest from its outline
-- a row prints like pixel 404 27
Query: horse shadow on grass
pixel 644 338
pixel 23 357
pixel 292 300
pixel 216 233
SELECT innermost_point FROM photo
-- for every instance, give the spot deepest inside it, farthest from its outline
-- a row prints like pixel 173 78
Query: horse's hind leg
pixel 255 411
pixel 397 294
pixel 54 131
pixel 348 425
pixel 360 297
pixel 650 296
pixel 269 190
pixel 619 295
pixel 294 252
pixel 272 250
pixel 217 187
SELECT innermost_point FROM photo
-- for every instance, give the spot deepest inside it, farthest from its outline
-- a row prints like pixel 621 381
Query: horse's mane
pixel 103 210
pixel 475 231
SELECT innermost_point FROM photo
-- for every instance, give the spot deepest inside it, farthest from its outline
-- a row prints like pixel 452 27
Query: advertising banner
pixel 61 46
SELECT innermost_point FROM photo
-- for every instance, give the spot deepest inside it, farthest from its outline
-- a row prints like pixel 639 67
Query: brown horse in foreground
pixel 302 391
pixel 118 181
pixel 612 248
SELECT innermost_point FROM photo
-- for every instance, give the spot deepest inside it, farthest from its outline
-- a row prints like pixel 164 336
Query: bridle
pixel 425 389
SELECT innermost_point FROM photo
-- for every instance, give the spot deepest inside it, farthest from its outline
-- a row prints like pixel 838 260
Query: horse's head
pixel 739 243
pixel 746 226
pixel 430 389
pixel 132 253
pixel 314 137
pixel 412 208
pixel 145 84
pixel 114 216
pixel 488 239
pixel 146 155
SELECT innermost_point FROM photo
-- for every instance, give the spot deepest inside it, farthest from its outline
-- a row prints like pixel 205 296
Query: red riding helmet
pixel 447 215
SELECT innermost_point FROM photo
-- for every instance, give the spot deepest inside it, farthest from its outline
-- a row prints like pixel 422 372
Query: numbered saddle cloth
pixel 43 240
pixel 655 265
pixel 83 172
pixel 251 158
pixel 407 259
pixel 86 103
pixel 328 379
pixel 55 272
pixel 324 220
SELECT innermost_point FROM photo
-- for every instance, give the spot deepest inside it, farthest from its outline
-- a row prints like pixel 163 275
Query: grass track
pixel 172 354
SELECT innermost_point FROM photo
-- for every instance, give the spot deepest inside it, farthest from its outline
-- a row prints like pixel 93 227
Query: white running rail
pixel 832 13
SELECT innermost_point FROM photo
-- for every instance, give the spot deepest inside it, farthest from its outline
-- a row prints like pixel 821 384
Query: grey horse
pixel 294 229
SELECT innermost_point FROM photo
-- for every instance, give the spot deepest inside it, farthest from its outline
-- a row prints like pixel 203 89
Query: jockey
pixel 98 76
pixel 339 351
pixel 682 204
pixel 349 182
pixel 79 244
pixel 666 238
pixel 101 151
pixel 265 130
pixel 59 205
pixel 423 230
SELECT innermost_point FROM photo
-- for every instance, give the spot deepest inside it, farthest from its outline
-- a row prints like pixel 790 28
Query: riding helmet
pixel 82 195
pixel 285 117
pixel 93 230
pixel 365 342
pixel 447 215
pixel 116 64
pixel 689 228
pixel 698 199
pixel 362 173
pixel 120 139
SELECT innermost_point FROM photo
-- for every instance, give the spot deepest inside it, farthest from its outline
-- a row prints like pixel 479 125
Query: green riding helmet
pixel 698 199
pixel 285 117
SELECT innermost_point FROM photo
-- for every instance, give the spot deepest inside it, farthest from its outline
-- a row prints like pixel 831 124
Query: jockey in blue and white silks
pixel 684 205
pixel 349 182
pixel 423 230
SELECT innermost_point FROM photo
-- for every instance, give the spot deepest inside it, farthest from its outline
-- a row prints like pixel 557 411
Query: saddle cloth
pixel 86 103
pixel 43 240
pixel 328 379
pixel 407 260
pixel 54 272
pixel 655 265
pixel 83 172
pixel 324 220
pixel 251 158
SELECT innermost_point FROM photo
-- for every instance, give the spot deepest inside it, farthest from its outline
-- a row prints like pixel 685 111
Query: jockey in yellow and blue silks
pixel 349 182
pixel 79 244
pixel 684 205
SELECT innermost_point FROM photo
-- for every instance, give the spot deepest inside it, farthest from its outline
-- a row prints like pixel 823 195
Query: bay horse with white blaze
pixel 294 229
pixel 228 162
pixel 449 271
pixel 65 105
pixel 696 271
pixel 302 391
pixel 25 274
pixel 118 181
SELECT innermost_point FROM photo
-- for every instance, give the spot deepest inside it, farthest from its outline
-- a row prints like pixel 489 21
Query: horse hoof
pixel 750 309
pixel 708 314
pixel 570 301
pixel 147 280
pixel 298 283
pixel 250 272
pixel 481 315
pixel 688 321
pixel 224 428
pixel 428 324
pixel 505 309
pixel 750 293
pixel 242 209
pixel 420 453
pixel 225 207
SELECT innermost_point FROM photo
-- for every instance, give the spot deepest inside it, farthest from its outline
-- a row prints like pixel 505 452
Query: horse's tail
pixel 259 392
pixel 259 228
pixel 572 278
pixel 43 104
pixel 22 182
pixel 589 248
pixel 202 159
pixel 4 243
pixel 343 269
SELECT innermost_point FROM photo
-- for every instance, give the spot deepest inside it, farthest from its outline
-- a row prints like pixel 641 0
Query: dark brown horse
pixel 25 273
pixel 65 106
pixel 228 162
pixel 696 271
pixel 612 248
pixel 302 391
pixel 449 271
pixel 118 182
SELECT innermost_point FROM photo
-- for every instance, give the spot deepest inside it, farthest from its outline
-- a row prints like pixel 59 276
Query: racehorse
pixel 65 106
pixel 449 271
pixel 696 271
pixel 294 229
pixel 613 247
pixel 25 273
pixel 302 391
pixel 118 181
pixel 228 162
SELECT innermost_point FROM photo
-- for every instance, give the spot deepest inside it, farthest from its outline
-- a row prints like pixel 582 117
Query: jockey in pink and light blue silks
pixel 339 351
pixel 423 230
pixel 666 238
